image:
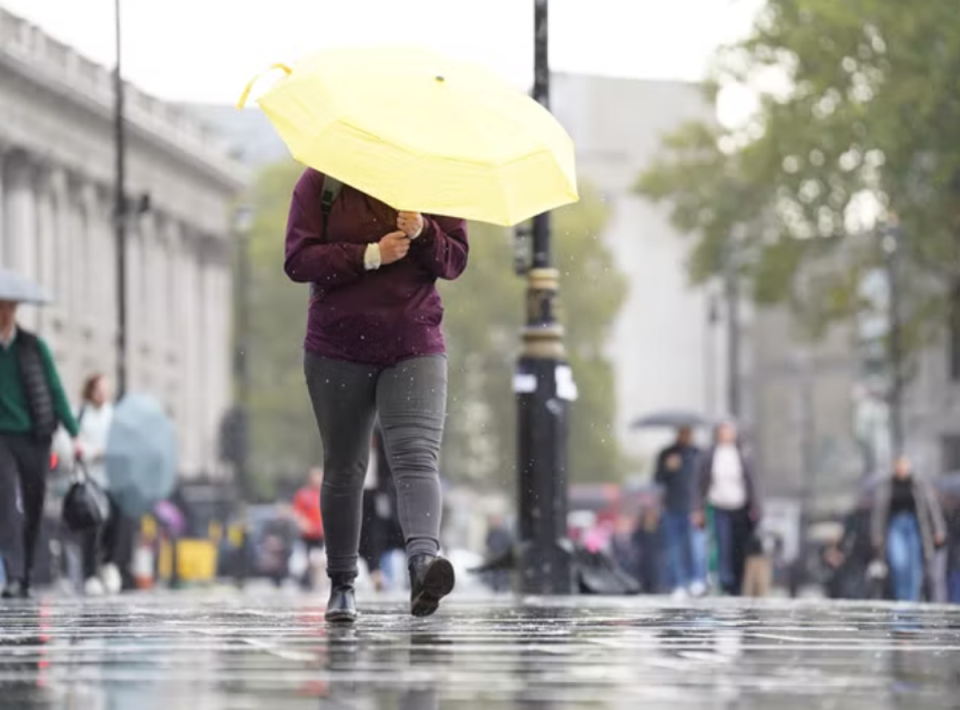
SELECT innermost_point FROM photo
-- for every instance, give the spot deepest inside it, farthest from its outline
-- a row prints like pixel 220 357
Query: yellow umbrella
pixel 423 132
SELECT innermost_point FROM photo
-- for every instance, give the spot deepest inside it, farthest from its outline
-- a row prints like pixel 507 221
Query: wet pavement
pixel 214 651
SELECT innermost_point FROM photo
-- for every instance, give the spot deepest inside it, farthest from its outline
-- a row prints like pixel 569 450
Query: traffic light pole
pixel 543 386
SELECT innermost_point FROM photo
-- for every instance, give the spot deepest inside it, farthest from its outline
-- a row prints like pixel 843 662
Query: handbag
pixel 85 506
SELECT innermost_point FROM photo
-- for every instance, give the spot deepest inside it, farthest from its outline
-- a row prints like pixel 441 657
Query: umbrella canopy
pixel 19 289
pixel 424 133
pixel 141 454
pixel 671 419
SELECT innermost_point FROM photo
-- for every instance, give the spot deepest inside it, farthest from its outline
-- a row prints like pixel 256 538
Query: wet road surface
pixel 229 651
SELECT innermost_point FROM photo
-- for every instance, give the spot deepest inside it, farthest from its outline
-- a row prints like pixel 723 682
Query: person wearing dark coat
pixel 909 528
pixel 33 405
pixel 727 485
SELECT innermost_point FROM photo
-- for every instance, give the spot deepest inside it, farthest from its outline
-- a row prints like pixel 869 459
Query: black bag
pixel 86 506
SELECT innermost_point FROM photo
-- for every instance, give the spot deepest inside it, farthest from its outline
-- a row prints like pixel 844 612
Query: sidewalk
pixel 218 649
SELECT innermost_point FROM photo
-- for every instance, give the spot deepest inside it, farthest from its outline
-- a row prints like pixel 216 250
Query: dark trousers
pixel 101 547
pixel 24 461
pixel 732 530
pixel 410 399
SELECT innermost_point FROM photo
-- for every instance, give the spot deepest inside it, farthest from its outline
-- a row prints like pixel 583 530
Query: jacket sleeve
pixel 755 498
pixel 660 472
pixel 936 511
pixel 878 520
pixel 442 247
pixel 60 404
pixel 308 257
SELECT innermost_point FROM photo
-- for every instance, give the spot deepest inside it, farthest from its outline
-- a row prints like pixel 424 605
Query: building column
pixel 20 220
pixel 187 300
pixel 207 366
pixel 46 253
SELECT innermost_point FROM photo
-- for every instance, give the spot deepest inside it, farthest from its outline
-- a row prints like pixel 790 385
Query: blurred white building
pixel 56 226
pixel 666 352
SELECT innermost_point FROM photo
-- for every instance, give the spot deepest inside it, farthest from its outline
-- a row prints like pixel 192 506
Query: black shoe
pixel 431 579
pixel 342 607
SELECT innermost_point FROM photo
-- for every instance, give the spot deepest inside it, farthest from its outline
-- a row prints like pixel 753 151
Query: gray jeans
pixel 410 399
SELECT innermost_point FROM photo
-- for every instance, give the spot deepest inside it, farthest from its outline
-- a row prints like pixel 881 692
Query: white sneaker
pixel 679 594
pixel 112 581
pixel 93 587
pixel 698 589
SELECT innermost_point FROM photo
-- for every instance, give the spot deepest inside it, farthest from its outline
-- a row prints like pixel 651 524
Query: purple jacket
pixel 375 317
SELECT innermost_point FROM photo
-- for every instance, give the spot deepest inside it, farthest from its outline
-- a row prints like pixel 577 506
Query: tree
pixel 284 440
pixel 858 112
pixel 483 317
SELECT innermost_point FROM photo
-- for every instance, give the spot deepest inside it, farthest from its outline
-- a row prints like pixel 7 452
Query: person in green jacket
pixel 32 406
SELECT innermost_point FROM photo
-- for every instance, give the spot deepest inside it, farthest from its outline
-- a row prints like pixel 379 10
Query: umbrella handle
pixel 257 77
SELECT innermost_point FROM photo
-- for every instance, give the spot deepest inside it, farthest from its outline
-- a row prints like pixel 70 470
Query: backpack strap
pixel 331 188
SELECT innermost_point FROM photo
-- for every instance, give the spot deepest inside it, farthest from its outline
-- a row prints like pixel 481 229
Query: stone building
pixel 56 226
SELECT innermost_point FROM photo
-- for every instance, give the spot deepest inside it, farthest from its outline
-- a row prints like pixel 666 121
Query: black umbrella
pixel 671 419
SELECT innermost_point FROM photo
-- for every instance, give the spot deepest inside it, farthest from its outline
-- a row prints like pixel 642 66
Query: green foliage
pixel 483 318
pixel 484 315
pixel 284 439
pixel 857 98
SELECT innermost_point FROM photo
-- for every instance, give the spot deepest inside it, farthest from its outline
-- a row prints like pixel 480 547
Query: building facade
pixel 56 226
pixel 667 350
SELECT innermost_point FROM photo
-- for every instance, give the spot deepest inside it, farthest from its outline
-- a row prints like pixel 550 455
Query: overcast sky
pixel 206 50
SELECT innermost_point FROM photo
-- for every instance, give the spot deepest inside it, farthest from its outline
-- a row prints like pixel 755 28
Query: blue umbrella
pixel 141 454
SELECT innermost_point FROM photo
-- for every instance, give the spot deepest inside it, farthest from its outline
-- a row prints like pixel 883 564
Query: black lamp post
pixel 120 213
pixel 543 384
pixel 891 237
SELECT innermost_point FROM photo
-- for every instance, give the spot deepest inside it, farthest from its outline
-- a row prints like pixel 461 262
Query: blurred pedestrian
pixel 908 528
pixel 623 546
pixel 727 485
pixel 648 543
pixel 758 568
pixel 498 543
pixel 676 474
pixel 306 511
pixel 32 406
pixel 374 346
pixel 849 557
pixel 99 547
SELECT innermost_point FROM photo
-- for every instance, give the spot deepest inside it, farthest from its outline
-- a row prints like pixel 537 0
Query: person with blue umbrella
pixel 33 405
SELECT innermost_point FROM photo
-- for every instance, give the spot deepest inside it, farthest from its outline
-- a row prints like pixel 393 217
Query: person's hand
pixel 697 518
pixel 939 540
pixel 77 449
pixel 393 247
pixel 410 223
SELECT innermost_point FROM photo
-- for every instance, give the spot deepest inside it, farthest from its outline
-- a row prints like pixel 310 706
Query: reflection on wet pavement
pixel 212 652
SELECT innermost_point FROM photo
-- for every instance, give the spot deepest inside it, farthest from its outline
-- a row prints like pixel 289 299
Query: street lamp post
pixel 120 213
pixel 891 239
pixel 543 384
pixel 243 224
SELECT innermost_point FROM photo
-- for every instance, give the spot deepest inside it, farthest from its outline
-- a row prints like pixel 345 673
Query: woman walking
pixel 374 350
pixel 728 486
pixel 908 527
pixel 99 547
